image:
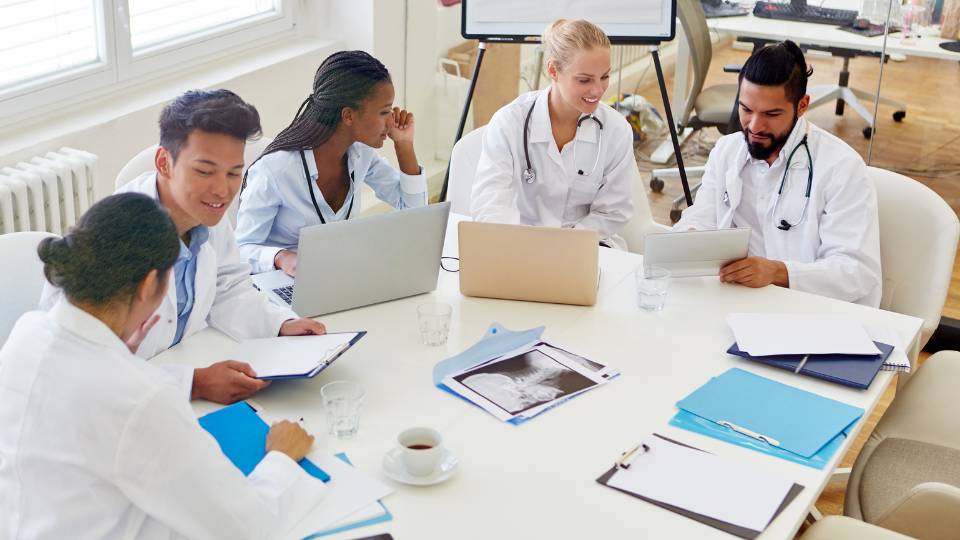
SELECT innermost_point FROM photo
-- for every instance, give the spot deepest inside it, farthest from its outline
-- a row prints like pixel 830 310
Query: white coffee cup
pixel 422 450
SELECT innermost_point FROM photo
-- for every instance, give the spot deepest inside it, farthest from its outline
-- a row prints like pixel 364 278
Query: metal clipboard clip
pixel 752 434
pixel 627 457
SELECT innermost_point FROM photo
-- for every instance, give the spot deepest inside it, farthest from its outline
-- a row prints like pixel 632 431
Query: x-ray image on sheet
pixel 585 362
pixel 525 381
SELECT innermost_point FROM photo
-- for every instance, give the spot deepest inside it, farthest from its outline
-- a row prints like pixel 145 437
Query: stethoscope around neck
pixel 313 197
pixel 529 175
pixel 785 225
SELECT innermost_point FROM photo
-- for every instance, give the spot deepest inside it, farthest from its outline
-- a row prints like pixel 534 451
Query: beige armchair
pixel 907 477
pixel 841 528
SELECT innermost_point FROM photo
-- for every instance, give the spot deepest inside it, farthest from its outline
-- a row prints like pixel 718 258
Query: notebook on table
pixel 857 371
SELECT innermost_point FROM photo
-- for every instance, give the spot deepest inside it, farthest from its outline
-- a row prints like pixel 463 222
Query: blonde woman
pixel 560 157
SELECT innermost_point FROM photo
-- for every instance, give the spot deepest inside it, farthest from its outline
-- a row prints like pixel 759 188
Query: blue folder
pixel 765 415
pixel 857 371
pixel 242 436
pixel 496 341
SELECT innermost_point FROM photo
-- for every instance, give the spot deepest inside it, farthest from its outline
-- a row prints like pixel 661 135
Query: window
pixel 56 51
pixel 43 37
pixel 154 22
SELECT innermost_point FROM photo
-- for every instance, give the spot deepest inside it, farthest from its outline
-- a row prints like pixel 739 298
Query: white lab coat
pixel 224 296
pixel 835 250
pixel 96 443
pixel 559 197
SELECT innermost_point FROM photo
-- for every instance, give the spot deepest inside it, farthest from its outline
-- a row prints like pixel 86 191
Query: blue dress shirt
pixel 185 275
pixel 276 202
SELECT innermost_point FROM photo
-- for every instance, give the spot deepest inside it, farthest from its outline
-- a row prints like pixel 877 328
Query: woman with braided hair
pixel 309 174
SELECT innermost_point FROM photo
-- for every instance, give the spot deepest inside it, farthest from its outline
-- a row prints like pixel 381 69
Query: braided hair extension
pixel 344 79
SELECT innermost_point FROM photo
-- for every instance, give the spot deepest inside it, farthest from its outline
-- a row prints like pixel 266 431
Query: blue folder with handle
pixel 242 436
pixel 857 371
pixel 495 342
pixel 771 417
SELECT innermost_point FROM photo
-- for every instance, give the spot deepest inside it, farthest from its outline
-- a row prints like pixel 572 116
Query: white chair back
pixel 918 243
pixel 22 277
pixel 144 162
pixel 642 222
pixel 463 169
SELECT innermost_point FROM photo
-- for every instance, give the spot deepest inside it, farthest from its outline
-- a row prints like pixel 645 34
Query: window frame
pixel 120 67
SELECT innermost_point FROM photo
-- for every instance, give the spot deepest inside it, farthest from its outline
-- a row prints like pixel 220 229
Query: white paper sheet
pixel 897 361
pixel 349 491
pixel 289 355
pixel 716 487
pixel 765 334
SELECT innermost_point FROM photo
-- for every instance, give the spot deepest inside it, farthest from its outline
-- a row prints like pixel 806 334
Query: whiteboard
pixel 624 21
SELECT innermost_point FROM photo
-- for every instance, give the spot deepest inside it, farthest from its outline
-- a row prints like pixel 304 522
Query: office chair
pixel 463 169
pixel 834 527
pixel 714 106
pixel 907 476
pixel 918 241
pixel 22 277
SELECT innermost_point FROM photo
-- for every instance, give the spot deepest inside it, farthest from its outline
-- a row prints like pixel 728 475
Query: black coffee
pixel 420 446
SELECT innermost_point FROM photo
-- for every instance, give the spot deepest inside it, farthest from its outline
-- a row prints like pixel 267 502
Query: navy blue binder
pixel 857 371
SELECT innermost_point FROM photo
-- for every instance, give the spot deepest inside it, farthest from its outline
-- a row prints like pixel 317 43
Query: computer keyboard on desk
pixel 804 13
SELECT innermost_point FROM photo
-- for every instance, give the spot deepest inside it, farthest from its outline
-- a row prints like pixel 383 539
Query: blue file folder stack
pixel 764 415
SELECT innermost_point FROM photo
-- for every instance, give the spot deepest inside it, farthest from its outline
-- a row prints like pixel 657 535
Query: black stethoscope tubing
pixel 785 225
pixel 529 175
pixel 313 197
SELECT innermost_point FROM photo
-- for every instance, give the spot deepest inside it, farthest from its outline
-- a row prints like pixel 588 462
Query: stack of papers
pixel 897 361
pixel 765 334
pixel 294 356
pixel 515 378
pixel 352 499
pixel 369 515
pixel 351 494
pixel 836 348
pixel 735 497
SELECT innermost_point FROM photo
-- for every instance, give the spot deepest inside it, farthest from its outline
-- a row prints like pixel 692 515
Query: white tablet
pixel 695 253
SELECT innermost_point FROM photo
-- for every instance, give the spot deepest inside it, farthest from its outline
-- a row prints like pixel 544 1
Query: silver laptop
pixel 347 264
pixel 695 253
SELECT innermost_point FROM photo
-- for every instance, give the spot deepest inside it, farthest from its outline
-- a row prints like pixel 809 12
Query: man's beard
pixel 758 151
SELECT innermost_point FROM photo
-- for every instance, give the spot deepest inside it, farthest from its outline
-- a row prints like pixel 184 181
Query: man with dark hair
pixel 803 192
pixel 199 167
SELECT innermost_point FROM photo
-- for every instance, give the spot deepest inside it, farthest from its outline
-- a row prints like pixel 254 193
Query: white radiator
pixel 46 193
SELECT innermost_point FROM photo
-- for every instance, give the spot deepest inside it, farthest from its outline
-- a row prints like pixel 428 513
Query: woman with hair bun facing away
pixel 560 157
pixel 99 443
pixel 312 172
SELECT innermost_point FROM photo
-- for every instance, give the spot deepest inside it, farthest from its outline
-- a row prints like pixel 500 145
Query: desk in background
pixel 822 37
pixel 537 480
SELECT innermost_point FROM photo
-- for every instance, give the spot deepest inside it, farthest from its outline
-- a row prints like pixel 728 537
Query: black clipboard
pixel 735 530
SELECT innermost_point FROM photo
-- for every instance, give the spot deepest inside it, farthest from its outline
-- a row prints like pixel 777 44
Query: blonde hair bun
pixel 564 38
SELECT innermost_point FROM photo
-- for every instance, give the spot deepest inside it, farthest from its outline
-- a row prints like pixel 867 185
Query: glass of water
pixel 652 285
pixel 434 321
pixel 342 401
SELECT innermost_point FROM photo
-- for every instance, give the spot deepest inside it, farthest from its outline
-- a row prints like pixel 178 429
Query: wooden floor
pixel 925 146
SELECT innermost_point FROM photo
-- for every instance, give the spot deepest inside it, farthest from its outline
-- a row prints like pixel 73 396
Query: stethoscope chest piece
pixel 529 176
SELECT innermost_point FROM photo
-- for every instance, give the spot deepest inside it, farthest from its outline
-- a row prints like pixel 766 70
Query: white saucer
pixel 394 469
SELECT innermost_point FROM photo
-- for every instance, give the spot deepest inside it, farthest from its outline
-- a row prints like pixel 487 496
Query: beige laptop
pixel 521 262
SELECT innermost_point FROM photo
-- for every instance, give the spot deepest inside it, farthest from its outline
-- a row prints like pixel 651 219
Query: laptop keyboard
pixel 286 293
